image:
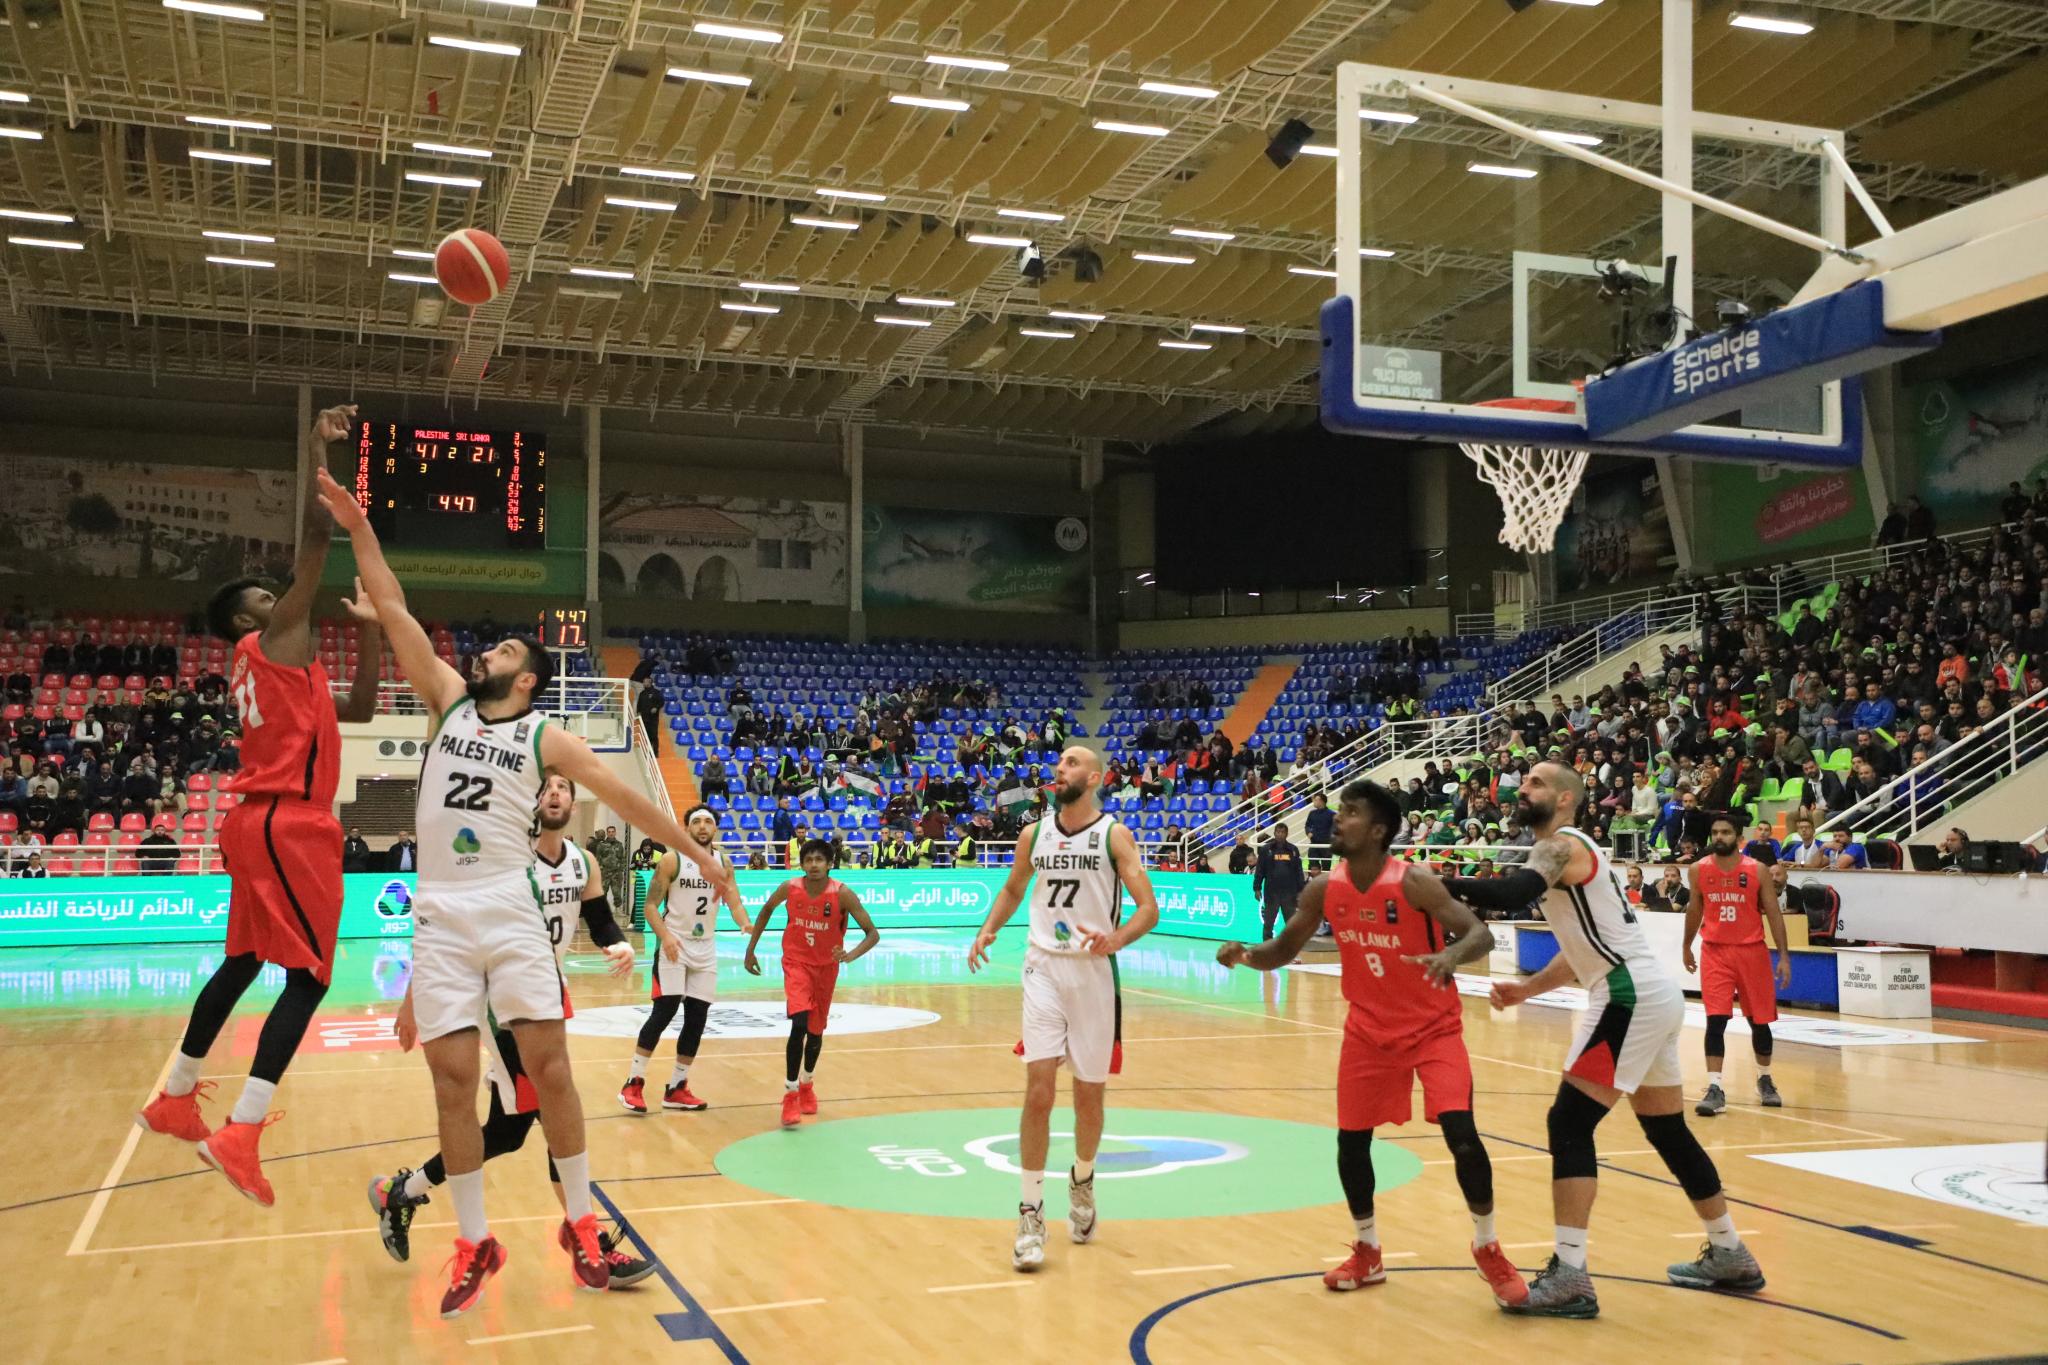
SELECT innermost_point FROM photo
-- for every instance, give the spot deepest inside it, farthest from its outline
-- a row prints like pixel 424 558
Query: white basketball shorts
pixel 482 944
pixel 1628 1036
pixel 1070 1012
pixel 694 978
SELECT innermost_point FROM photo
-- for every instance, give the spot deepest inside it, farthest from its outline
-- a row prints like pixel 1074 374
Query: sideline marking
pixel 764 1307
pixel 970 1288
pixel 1180 1269
pixel 91 1222
pixel 528 1336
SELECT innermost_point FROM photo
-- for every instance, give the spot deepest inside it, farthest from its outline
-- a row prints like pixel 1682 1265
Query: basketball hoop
pixel 1535 483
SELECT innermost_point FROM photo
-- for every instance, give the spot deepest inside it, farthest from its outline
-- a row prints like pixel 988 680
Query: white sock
pixel 255 1101
pixel 184 1075
pixel 1367 1230
pixel 1713 1078
pixel 789 1085
pixel 639 1068
pixel 1034 1189
pixel 1763 1070
pixel 1571 1246
pixel 1721 1231
pixel 1482 1230
pixel 678 1076
pixel 1083 1170
pixel 417 1185
pixel 467 1192
pixel 805 1075
pixel 575 1173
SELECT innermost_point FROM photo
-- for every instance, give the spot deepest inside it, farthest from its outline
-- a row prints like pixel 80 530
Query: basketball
pixel 472 266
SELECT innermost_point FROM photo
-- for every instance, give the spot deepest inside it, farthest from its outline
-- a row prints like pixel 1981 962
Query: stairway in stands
pixel 676 775
pixel 1258 697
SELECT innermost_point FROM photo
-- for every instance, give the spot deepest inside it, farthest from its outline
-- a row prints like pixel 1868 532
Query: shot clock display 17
pixel 448 488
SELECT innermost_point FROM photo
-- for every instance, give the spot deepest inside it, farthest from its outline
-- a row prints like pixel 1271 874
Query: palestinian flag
pixel 856 780
pixel 1015 796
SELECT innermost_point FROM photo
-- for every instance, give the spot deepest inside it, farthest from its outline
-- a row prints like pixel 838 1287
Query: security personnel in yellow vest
pixel 920 852
pixel 792 852
pixel 966 852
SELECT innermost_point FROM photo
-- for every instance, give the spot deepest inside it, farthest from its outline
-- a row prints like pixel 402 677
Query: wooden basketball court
pixel 119 1243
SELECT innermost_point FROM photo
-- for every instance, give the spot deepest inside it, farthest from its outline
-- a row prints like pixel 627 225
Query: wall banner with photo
pixel 698 547
pixel 74 518
pixel 974 561
pixel 1976 434
pixel 1616 531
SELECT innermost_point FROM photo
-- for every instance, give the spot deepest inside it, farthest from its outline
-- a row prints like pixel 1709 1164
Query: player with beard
pixel 1625 1043
pixel 567 877
pixel 1732 896
pixel 1082 861
pixel 480 941
pixel 1401 939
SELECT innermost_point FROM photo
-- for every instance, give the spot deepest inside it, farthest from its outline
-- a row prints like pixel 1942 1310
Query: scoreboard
pixel 450 488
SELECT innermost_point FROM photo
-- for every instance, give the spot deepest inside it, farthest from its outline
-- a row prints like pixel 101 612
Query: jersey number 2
pixel 467 793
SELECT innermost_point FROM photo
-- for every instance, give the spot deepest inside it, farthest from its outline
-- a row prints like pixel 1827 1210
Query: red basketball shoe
pixel 586 1254
pixel 633 1095
pixel 1509 1289
pixel 474 1262
pixel 176 1115
pixel 679 1097
pixel 792 1109
pixel 1359 1270
pixel 232 1152
pixel 807 1097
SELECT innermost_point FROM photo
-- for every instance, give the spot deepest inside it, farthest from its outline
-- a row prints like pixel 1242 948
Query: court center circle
pixel 962 1163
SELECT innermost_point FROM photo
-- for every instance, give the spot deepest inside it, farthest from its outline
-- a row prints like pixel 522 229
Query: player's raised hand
pixel 339 502
pixel 1438 967
pixel 621 959
pixel 753 963
pixel 333 424
pixel 360 607
pixel 1233 955
pixel 1507 994
pixel 977 956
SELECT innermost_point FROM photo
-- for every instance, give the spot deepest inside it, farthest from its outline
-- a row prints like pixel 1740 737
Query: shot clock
pixel 453 488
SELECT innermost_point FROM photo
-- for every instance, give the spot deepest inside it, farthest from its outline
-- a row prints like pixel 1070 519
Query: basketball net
pixel 1535 483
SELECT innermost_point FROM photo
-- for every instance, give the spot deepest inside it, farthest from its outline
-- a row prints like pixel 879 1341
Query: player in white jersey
pixel 479 937
pixel 1083 861
pixel 1626 1043
pixel 682 912
pixel 570 883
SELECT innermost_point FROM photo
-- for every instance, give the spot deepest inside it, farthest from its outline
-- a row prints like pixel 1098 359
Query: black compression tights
pixel 1468 1155
pixel 804 1046
pixel 1354 1169
pixel 282 1029
pixel 503 1133
pixel 663 1013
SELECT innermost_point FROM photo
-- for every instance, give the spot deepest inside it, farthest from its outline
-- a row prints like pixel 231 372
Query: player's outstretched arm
pixel 286 640
pixel 570 756
pixel 1554 859
pixel 604 930
pixel 1130 872
pixel 1695 910
pixel 867 926
pixel 1556 972
pixel 1469 939
pixel 361 703
pixel 780 894
pixel 437 684
pixel 1007 900
pixel 1285 946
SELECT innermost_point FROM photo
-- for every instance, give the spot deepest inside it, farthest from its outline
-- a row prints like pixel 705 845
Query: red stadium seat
pixel 64 839
pixel 199 801
pixel 13 711
pixel 79 681
pixel 8 823
pixel 166 822
pixel 134 823
pixel 127 867
pixel 100 820
pixel 99 838
pixel 188 867
pixel 51 682
pixel 223 802
pixel 134 682
pixel 199 782
pixel 193 823
pixel 74 714
pixel 128 838
pixel 106 682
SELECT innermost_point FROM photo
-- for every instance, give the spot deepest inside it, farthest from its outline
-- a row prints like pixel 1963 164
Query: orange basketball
pixel 472 266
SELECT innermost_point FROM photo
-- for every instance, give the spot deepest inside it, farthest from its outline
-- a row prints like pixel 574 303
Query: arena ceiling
pixel 330 113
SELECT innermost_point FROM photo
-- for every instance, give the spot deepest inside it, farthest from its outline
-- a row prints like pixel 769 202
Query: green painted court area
pixel 961 1163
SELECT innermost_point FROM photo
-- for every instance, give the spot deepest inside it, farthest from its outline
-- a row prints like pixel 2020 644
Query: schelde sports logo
pixel 1715 360
pixel 394 901
pixel 1120 1157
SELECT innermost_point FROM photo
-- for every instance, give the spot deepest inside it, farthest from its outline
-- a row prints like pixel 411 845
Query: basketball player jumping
pixel 1732 896
pixel 479 939
pixel 566 876
pixel 1392 921
pixel 813 951
pixel 685 915
pixel 281 844
pixel 1626 1043
pixel 1080 857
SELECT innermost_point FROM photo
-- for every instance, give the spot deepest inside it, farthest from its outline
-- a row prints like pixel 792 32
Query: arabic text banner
pixel 92 910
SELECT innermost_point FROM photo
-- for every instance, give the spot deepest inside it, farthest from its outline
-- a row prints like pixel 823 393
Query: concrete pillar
pixel 851 448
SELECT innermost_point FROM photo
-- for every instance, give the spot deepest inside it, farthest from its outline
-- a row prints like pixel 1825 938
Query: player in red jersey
pixel 281 844
pixel 1391 920
pixel 1732 896
pixel 812 952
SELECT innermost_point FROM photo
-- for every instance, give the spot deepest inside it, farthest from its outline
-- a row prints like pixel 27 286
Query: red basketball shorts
pixel 284 869
pixel 808 986
pixel 1739 971
pixel 1375 1084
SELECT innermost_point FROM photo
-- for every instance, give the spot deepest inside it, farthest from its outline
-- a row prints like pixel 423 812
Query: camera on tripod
pixel 1647 320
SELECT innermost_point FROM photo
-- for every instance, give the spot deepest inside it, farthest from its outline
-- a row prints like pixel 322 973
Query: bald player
pixel 1625 1043
pixel 1081 860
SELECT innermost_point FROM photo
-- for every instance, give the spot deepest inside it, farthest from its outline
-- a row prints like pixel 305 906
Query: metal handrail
pixel 1906 804
pixel 1585 650
pixel 597 709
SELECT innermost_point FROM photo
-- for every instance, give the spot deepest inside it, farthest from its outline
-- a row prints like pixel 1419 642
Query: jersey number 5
pixel 467 793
